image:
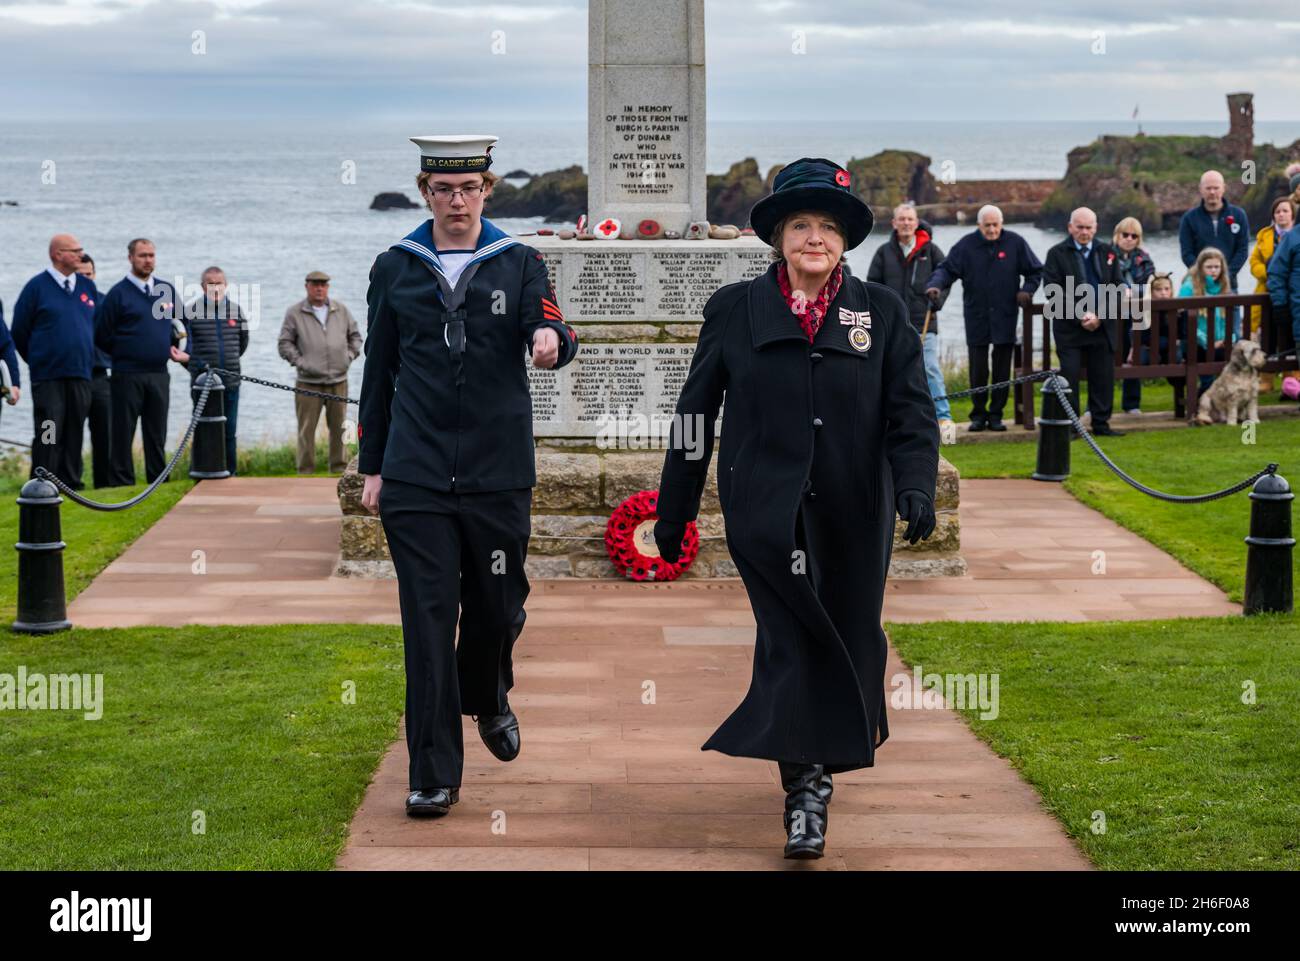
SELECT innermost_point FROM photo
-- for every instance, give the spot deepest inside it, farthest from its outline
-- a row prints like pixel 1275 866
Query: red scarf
pixel 810 315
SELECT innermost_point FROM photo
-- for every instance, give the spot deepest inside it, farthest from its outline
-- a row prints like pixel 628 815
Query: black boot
pixel 805 809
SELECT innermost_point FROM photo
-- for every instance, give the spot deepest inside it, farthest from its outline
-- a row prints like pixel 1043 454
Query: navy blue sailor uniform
pixel 446 420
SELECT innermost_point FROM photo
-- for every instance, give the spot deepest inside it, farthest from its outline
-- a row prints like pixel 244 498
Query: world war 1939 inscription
pixel 629 387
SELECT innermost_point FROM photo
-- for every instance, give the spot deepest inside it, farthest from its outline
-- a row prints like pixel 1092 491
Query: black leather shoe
pixel 431 802
pixel 805 810
pixel 995 423
pixel 1105 430
pixel 978 424
pixel 501 734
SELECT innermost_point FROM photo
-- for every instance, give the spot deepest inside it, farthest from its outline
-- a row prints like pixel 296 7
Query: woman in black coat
pixel 828 428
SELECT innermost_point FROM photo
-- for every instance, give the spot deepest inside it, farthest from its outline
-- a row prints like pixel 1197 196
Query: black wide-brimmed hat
pixel 813 184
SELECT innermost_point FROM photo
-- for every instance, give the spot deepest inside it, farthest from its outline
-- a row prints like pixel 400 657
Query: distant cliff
pixel 1156 178
pixel 1152 178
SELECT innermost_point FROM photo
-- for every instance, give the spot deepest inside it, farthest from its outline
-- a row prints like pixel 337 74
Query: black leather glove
pixel 1024 298
pixel 917 509
pixel 668 538
pixel 934 293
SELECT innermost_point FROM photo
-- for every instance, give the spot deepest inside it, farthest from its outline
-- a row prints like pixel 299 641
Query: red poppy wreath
pixel 629 539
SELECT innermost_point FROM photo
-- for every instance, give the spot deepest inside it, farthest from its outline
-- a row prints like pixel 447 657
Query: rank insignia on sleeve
pixel 551 311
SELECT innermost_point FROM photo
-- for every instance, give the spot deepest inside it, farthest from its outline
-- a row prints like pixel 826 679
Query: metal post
pixel 208 455
pixel 42 604
pixel 1269 548
pixel 1054 430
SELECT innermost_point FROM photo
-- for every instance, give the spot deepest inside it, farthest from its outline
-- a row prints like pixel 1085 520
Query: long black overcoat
pixel 815 441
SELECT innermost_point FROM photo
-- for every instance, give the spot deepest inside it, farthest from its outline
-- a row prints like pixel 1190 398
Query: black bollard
pixel 208 453
pixel 42 604
pixel 1269 550
pixel 1054 431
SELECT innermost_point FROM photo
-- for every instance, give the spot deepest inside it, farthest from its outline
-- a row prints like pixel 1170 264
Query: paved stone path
pixel 606 781
pixel 270 544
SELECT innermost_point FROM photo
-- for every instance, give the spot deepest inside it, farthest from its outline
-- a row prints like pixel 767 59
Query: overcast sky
pixel 407 60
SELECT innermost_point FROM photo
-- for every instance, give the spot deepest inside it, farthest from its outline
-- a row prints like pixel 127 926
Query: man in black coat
pixel 904 263
pixel 447 453
pixel 999 274
pixel 1086 304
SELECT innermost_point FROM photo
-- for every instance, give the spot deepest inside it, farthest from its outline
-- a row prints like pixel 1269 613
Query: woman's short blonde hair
pixel 490 180
pixel 778 232
pixel 1128 225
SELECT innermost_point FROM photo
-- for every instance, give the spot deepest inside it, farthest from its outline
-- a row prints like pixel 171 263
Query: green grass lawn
pixel 1144 721
pixel 1207 538
pixel 246 725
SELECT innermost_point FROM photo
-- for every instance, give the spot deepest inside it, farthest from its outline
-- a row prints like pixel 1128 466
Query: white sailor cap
pixel 459 153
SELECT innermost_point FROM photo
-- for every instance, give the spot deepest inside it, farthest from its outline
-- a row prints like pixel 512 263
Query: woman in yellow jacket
pixel 1282 218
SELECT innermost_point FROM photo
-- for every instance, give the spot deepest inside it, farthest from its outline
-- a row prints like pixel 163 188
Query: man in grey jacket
pixel 320 338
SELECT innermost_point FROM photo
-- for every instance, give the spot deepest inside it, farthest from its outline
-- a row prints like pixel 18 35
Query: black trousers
pixel 59 409
pixel 455 554
pixel 1130 390
pixel 979 377
pixel 101 428
pixel 139 397
pixel 1101 377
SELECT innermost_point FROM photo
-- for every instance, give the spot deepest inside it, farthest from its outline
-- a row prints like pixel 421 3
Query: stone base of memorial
pixel 578 488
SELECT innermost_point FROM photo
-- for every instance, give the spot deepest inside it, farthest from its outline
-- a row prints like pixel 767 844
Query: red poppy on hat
pixel 842 178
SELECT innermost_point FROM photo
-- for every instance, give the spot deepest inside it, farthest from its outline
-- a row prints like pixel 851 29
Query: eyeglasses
pixel 1128 236
pixel 469 193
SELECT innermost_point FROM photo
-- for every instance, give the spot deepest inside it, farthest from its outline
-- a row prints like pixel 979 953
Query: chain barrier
pixel 100 506
pixel 1057 380
pixel 1051 374
pixel 1037 375
pixel 296 390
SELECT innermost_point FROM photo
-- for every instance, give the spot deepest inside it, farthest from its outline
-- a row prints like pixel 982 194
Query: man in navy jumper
pixel 133 325
pixel 54 332
pixel 1215 223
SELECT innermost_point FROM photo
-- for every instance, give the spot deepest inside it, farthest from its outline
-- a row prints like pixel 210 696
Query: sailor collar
pixel 492 240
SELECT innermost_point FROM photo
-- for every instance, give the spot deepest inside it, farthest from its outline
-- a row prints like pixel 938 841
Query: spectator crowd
pixel 101 358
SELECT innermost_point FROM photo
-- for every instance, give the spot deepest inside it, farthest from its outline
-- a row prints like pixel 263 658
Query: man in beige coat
pixel 320 338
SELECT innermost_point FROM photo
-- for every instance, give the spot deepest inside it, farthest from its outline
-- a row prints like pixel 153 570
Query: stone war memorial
pixel 633 285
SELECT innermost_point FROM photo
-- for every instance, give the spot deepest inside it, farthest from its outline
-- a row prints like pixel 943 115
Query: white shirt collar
pixel 152 281
pixel 60 279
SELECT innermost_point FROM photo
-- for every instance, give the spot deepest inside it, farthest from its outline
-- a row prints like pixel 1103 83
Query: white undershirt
pixel 453 263
pixel 61 280
pixel 321 312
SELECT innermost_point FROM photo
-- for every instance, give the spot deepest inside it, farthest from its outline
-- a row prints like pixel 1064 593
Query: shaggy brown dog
pixel 1236 390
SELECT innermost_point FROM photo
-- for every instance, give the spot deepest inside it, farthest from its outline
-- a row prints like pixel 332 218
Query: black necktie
pixel 146 288
pixel 67 285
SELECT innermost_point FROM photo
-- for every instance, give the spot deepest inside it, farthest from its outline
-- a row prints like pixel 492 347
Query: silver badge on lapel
pixel 859 338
